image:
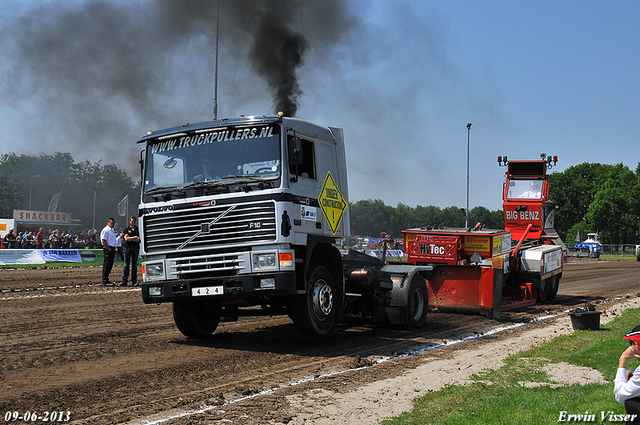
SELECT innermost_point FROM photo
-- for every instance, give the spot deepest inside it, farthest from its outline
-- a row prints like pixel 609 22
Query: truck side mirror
pixel 295 151
pixel 141 161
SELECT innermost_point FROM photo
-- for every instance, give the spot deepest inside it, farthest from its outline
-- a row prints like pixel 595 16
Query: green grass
pixel 500 397
pixel 618 256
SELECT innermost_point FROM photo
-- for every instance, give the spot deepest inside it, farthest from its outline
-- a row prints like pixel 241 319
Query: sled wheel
pixel 542 289
pixel 417 304
pixel 554 284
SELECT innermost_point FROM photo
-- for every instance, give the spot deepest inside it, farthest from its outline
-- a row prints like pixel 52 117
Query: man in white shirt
pixel 108 240
pixel 627 383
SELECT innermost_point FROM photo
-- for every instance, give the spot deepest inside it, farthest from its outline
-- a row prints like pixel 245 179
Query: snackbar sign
pixel 332 203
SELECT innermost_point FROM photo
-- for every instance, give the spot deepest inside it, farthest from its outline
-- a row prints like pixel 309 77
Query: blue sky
pixel 403 78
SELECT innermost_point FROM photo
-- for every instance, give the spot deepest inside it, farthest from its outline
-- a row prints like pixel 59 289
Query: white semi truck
pixel 241 217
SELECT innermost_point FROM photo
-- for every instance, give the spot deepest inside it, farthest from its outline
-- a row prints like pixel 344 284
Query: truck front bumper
pixel 241 287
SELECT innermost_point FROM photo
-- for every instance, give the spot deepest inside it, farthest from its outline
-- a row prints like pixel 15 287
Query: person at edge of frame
pixel 627 383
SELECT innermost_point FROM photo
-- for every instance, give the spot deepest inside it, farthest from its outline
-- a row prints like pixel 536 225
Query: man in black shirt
pixel 131 252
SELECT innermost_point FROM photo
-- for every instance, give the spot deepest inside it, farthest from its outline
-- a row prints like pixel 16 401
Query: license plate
pixel 207 290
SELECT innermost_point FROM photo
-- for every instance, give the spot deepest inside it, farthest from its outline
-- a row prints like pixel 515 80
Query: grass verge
pixel 500 396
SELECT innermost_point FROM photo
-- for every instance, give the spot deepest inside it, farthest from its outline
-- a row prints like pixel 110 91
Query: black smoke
pixel 89 78
pixel 276 54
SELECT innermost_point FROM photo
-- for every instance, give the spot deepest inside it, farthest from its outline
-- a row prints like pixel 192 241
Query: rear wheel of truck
pixel 417 304
pixel 313 313
pixel 196 319
pixel 554 284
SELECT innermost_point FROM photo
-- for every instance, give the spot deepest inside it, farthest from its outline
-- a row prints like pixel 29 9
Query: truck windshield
pixel 525 189
pixel 228 154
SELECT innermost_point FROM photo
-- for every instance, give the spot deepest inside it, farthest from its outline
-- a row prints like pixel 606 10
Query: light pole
pixel 215 72
pixel 31 184
pixel 466 220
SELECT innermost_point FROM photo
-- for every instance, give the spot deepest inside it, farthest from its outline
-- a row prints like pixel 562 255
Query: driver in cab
pixel 207 172
pixel 533 192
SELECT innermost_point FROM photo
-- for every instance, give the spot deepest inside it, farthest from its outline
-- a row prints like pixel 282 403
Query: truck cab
pixel 529 216
pixel 244 212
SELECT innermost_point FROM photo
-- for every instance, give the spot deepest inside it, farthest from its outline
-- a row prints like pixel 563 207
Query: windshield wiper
pixel 162 189
pixel 212 184
pixel 250 178
pixel 206 183
pixel 245 180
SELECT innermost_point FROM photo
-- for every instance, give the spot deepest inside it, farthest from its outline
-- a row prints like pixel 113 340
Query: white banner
pixel 39 256
pixel 45 217
pixel 70 255
pixel 20 256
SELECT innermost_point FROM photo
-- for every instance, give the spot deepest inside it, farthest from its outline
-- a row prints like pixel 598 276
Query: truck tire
pixel 554 284
pixel 417 304
pixel 196 319
pixel 313 313
pixel 542 289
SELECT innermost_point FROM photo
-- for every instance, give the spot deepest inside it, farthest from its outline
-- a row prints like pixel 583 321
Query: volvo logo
pixel 152 210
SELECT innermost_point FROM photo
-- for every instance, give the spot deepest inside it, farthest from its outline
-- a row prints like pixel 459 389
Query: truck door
pixel 314 183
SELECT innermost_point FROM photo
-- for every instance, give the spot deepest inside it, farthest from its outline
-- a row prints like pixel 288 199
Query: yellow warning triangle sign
pixel 332 203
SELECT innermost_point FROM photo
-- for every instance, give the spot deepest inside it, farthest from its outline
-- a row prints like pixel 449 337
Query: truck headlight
pixel 265 261
pixel 154 270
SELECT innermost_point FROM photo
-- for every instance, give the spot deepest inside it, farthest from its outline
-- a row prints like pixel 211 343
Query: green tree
pixel 40 178
pixel 574 190
pixel 370 218
pixel 490 219
pixel 613 211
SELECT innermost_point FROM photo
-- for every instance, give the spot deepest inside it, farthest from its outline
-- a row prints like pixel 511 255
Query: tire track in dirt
pixel 108 358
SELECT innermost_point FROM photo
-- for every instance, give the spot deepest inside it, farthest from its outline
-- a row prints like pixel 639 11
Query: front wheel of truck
pixel 313 313
pixel 196 319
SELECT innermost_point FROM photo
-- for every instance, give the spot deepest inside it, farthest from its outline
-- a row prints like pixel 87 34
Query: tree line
pixel 30 183
pixel 590 197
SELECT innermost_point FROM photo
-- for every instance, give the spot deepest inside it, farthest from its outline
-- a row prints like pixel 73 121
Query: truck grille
pixel 216 226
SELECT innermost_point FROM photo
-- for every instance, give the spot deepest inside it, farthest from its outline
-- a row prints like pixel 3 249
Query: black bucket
pixel 585 320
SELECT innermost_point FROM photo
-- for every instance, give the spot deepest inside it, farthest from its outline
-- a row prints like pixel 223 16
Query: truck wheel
pixel 196 320
pixel 542 289
pixel 417 304
pixel 554 284
pixel 313 312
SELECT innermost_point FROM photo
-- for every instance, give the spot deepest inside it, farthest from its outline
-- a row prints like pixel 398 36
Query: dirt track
pixel 69 344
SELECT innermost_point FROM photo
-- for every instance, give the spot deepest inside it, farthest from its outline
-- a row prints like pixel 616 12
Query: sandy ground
pixel 372 402
pixel 69 344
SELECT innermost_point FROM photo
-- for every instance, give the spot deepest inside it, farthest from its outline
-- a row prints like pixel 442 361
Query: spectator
pixel 11 239
pixel 108 240
pixel 627 383
pixel 131 252
pixel 39 239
